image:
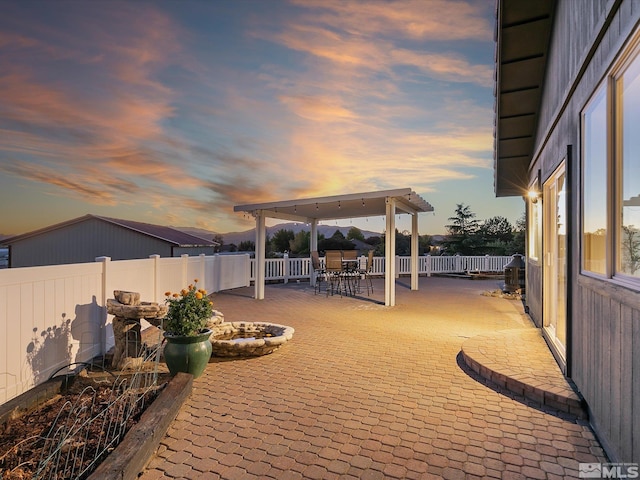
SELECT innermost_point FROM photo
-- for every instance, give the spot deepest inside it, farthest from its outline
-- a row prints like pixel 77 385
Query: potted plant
pixel 188 348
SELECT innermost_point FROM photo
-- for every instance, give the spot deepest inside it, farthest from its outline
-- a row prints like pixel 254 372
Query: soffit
pixel 522 42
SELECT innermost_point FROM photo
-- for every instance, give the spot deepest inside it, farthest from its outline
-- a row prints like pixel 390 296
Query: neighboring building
pixel 83 239
pixel 567 129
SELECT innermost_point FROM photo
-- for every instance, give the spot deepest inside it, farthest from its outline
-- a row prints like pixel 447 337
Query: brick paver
pixel 371 392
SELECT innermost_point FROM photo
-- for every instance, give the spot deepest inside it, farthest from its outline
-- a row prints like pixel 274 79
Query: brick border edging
pixel 131 455
pixel 550 399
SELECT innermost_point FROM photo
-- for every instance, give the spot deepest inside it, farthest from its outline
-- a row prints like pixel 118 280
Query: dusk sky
pixel 172 112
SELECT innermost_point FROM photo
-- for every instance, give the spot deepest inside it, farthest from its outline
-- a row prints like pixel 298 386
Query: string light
pixel 363 202
pixel 339 206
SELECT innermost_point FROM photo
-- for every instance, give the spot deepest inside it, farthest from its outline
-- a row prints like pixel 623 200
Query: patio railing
pixel 285 269
pixel 53 318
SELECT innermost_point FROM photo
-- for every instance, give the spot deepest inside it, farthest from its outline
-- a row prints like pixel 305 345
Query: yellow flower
pixel 167 294
pixel 184 292
pixel 195 280
pixel 176 295
pixel 199 295
pixel 211 303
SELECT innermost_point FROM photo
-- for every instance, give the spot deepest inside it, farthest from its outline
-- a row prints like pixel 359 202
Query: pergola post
pixel 261 236
pixel 390 254
pixel 415 272
pixel 313 246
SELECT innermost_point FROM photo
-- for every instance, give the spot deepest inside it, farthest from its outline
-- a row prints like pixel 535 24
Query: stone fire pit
pixel 248 339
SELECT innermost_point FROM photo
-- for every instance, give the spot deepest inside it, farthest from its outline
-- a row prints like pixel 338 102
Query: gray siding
pixel 83 242
pixel 606 318
pixel 534 292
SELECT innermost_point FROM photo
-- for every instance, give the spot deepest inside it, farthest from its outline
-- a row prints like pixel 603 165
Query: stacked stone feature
pixel 128 311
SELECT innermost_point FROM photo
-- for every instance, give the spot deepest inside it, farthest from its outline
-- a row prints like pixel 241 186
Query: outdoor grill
pixel 514 274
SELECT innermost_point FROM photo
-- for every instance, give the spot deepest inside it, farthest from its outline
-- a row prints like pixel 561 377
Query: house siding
pixel 605 317
pixel 84 241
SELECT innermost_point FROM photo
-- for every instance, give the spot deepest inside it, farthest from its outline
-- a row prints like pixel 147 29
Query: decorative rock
pixel 127 298
pixel 144 310
pixel 215 320
pixel 126 333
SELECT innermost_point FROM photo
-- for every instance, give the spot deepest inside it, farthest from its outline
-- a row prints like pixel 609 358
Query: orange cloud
pixel 440 20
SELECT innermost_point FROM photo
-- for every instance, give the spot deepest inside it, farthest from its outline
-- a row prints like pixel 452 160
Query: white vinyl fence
pixel 53 318
pixel 285 269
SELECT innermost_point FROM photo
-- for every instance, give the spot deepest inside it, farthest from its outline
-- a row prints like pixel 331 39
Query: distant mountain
pixel 250 235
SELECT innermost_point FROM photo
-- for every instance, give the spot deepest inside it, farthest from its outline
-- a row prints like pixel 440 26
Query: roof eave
pixel 523 31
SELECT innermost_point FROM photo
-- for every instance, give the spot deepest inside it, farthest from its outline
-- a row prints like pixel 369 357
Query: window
pixel 628 169
pixel 611 174
pixel 594 181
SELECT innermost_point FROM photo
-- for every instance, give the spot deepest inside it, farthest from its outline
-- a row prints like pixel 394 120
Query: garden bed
pixel 25 420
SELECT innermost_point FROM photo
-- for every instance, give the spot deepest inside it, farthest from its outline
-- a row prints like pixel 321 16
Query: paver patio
pixel 367 391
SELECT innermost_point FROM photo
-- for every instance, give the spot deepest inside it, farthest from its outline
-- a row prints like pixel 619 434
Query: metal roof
pixel 167 234
pixel 523 31
pixel 354 205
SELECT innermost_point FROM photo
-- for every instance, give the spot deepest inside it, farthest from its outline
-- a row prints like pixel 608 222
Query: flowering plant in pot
pixel 188 347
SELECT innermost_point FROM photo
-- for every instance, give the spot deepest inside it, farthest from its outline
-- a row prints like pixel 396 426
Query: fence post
pixel 286 267
pixel 458 263
pixel 155 258
pixel 105 275
pixel 185 268
pixel 203 274
pixel 429 267
pixel 487 264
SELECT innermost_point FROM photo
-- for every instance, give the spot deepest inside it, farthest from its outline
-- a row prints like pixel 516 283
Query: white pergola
pixel 355 205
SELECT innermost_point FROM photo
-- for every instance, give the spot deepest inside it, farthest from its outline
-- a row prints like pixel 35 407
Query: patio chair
pixel 350 274
pixel 350 254
pixel 333 269
pixel 319 272
pixel 365 272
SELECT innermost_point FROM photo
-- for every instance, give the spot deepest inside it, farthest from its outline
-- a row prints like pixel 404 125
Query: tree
pixel 517 244
pixel 300 243
pixel 463 231
pixel 218 238
pixel 247 246
pixel 403 244
pixel 336 242
pixel 355 233
pixel 424 244
pixel 496 228
pixel 373 240
pixel 495 235
pixel 281 240
pixel 630 249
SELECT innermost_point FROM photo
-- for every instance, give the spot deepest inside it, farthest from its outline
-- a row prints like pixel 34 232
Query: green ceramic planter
pixel 187 354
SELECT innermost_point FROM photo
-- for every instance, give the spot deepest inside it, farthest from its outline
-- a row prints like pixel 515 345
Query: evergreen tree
pixel 463 232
